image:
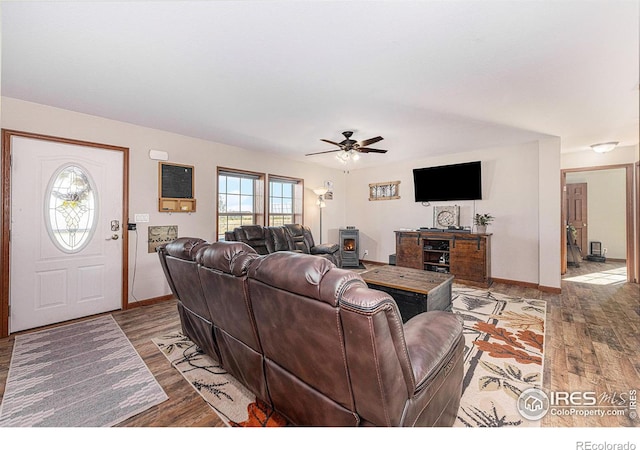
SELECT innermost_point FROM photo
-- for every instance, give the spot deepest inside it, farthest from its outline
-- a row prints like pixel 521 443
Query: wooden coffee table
pixel 415 291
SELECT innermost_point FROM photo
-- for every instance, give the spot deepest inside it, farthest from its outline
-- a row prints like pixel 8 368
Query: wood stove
pixel 349 247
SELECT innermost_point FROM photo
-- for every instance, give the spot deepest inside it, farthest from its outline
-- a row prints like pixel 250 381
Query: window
pixel 71 205
pixel 285 200
pixel 240 199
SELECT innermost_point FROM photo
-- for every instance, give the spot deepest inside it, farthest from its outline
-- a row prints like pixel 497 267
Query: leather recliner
pixel 279 240
pixel 337 353
pixel 290 237
pixel 178 260
pixel 254 236
pixel 303 241
pixel 313 340
pixel 223 274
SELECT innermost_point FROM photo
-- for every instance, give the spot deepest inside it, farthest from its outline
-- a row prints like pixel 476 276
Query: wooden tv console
pixel 466 256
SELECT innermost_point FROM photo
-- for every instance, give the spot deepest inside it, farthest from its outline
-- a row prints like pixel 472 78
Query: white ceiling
pixel 431 77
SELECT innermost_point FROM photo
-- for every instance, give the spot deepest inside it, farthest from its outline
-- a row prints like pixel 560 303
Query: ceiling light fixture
pixel 604 147
pixel 347 155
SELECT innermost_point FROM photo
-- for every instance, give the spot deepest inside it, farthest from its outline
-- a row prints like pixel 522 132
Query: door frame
pixel 629 214
pixel 5 217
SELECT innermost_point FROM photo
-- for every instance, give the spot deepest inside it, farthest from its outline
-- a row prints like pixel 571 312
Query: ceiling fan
pixel 351 146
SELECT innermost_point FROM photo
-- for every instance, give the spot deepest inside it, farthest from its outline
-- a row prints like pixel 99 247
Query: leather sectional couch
pixel 290 237
pixel 312 340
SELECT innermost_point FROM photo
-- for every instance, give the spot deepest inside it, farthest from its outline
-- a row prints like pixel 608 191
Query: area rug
pixel 504 343
pixel 235 404
pixel 86 374
pixel 503 356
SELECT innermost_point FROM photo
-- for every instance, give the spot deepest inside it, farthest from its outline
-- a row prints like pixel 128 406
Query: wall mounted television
pixel 451 182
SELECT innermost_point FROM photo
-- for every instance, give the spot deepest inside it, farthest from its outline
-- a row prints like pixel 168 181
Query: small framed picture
pixel 389 190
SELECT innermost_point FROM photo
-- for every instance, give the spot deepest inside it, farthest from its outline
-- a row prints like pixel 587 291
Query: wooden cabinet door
pixel 409 250
pixel 468 259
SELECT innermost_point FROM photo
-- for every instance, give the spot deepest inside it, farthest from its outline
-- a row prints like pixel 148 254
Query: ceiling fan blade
pixel 331 142
pixel 319 153
pixel 371 150
pixel 371 141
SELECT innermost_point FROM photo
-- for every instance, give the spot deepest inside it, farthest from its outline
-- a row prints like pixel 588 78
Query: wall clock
pixel 446 216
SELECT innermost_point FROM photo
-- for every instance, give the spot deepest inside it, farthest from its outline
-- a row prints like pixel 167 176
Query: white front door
pixel 66 232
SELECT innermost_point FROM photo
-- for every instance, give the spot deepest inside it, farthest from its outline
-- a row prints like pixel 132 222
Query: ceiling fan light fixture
pixel 349 149
pixel 604 147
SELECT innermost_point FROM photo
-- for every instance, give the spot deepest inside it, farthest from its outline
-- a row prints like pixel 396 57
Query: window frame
pixel 258 195
pixel 297 214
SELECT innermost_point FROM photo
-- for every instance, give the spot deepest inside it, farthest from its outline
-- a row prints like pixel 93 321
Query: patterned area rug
pixel 235 404
pixel 86 374
pixel 504 342
pixel 503 356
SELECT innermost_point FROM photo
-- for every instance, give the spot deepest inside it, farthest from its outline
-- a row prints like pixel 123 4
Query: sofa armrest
pixel 324 249
pixel 430 337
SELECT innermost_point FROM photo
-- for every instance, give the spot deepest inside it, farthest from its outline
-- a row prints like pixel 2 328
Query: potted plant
pixel 481 221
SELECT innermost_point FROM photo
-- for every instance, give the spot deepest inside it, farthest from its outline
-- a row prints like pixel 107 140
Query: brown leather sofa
pixel 315 343
pixel 178 260
pixel 290 237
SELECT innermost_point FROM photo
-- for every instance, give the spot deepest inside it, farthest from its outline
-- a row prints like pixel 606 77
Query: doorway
pixel 611 224
pixel 577 216
pixel 64 241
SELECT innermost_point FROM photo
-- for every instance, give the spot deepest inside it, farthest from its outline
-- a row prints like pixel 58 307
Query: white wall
pixel 518 183
pixel 143 182
pixel 606 208
pixel 549 212
pixel 512 178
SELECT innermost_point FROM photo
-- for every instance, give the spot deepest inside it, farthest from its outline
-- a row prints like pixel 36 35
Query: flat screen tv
pixel 452 182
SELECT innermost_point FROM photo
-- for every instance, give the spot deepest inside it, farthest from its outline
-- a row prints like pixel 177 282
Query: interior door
pixel 66 232
pixel 577 214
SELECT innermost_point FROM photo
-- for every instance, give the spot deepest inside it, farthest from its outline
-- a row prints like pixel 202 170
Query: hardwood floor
pixel 592 338
pixel 185 407
pixel 592 344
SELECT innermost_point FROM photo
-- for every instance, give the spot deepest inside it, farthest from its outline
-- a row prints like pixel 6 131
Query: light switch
pixel 141 218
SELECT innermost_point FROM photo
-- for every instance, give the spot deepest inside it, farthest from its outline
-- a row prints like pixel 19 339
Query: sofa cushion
pixel 253 232
pixel 227 257
pixel 185 248
pixel 254 236
pixel 295 272
pixel 298 236
pixel 279 240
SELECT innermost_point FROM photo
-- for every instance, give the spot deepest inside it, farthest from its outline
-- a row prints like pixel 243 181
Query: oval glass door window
pixel 70 209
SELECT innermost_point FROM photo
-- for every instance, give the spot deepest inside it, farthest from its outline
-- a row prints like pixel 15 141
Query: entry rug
pixel 86 374
pixel 503 356
pixel 504 343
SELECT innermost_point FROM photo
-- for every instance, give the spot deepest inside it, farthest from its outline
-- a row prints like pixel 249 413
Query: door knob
pixel 113 237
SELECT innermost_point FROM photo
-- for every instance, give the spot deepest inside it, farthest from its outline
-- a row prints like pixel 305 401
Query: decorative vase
pixel 481 229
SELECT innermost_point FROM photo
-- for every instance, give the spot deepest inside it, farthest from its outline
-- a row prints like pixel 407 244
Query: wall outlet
pixel 366 252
